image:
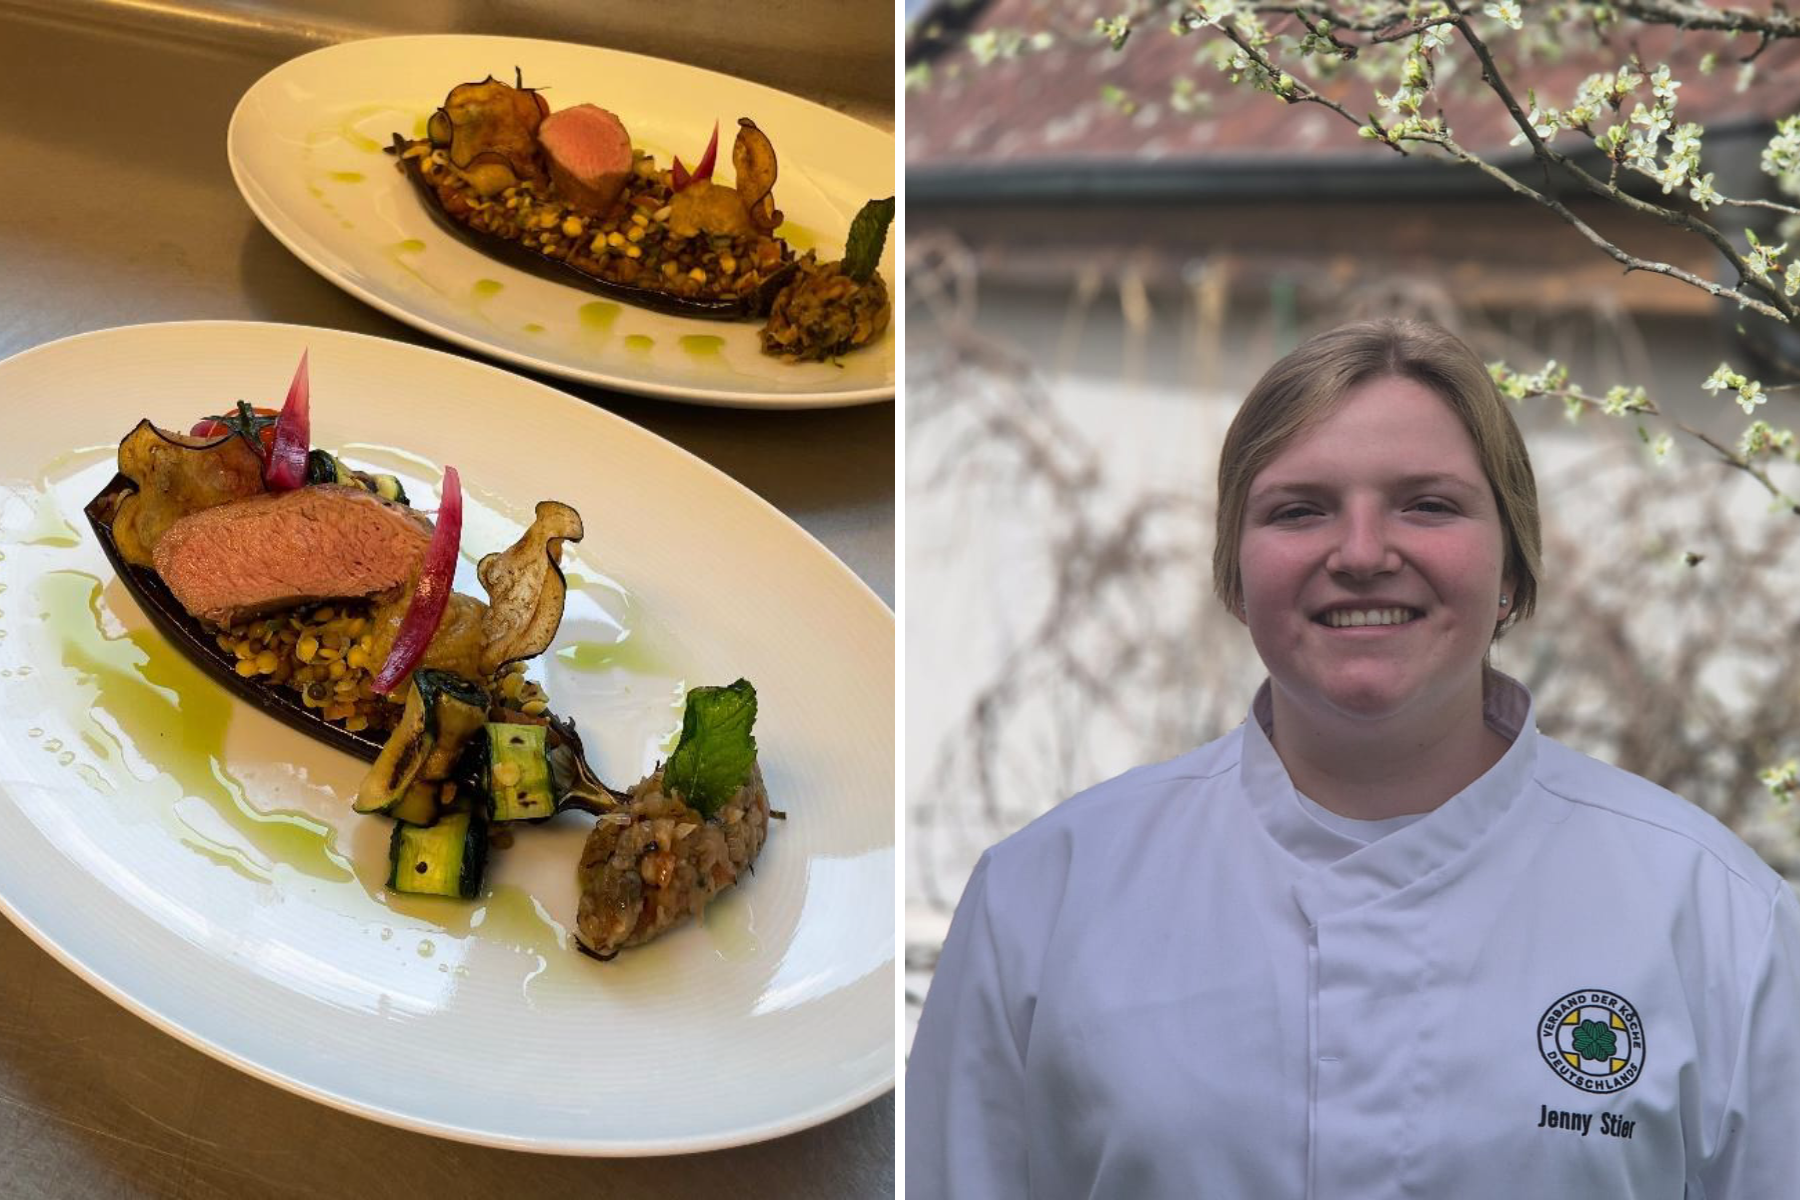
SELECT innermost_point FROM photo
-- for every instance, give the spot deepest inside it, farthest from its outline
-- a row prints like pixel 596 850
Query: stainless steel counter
pixel 120 210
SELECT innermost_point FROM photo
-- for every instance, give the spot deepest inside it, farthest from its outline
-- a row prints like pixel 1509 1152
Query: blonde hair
pixel 1307 385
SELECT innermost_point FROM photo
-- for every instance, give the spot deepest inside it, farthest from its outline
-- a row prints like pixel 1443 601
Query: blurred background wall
pixel 838 52
pixel 1105 250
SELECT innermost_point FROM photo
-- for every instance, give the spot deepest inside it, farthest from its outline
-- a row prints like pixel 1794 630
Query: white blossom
pixel 1506 381
pixel 1761 259
pixel 1655 120
pixel 1543 123
pixel 1403 100
pixel 1216 12
pixel 992 44
pixel 1506 12
pixel 1621 400
pixel 1594 90
pixel 1115 29
pixel 1662 86
pixel 1782 780
pixel 1581 116
pixel 1782 155
pixel 1640 150
pixel 1705 195
pixel 1760 439
pixel 1185 98
pixel 1723 377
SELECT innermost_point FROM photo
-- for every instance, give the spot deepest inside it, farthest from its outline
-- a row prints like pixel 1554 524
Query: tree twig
pixel 1727 455
pixel 1381 29
pixel 1300 93
pixel 1779 306
pixel 1629 261
pixel 1733 458
pixel 1769 24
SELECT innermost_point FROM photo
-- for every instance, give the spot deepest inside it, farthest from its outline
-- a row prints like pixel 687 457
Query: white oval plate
pixel 197 861
pixel 305 146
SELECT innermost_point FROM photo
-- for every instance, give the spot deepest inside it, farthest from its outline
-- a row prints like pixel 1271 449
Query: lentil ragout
pixel 322 651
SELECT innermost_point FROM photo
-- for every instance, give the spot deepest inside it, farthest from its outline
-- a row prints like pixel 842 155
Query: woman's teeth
pixel 1349 618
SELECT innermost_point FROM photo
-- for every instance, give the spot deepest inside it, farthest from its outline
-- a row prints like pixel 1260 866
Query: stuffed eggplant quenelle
pixel 319 593
pixel 566 195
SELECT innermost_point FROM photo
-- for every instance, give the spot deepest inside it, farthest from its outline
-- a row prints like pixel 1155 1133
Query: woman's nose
pixel 1364 546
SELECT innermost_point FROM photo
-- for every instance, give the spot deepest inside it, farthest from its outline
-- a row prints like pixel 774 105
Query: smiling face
pixel 1372 560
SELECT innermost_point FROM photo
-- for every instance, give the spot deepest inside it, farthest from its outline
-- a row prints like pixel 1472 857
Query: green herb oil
pixel 702 346
pixel 172 713
pixel 598 315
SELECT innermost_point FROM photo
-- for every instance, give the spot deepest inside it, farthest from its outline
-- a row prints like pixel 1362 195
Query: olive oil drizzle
pixel 156 702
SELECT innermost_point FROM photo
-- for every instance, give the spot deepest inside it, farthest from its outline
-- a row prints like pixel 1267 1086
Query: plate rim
pixel 880 1083
pixel 726 398
pixel 168 1024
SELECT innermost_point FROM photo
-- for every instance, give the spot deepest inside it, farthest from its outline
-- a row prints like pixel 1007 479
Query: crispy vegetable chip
pixel 525 588
pixel 177 475
pixel 490 121
pixel 753 158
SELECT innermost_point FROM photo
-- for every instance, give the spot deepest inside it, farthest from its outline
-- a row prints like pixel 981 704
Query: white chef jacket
pixel 1563 982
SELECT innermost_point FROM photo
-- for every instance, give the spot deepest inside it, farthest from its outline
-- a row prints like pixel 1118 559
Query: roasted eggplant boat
pixel 318 593
pixel 565 195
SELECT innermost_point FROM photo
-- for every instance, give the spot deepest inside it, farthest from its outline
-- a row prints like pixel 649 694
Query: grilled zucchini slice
pixel 445 859
pixel 442 711
pixel 518 773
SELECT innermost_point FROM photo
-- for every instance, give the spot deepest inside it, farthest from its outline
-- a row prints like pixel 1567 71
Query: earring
pixel 1504 599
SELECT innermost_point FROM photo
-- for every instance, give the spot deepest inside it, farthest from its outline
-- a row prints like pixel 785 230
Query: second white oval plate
pixel 199 862
pixel 306 146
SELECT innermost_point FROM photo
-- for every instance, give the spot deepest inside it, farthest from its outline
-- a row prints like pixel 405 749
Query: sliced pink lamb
pixel 590 155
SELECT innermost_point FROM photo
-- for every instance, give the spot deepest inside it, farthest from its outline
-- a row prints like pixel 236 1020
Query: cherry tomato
pixel 209 427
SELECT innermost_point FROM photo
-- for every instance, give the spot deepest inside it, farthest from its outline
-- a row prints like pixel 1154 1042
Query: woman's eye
pixel 1292 513
pixel 1433 506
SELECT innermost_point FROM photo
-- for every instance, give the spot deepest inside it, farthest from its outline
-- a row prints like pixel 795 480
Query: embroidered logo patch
pixel 1593 1040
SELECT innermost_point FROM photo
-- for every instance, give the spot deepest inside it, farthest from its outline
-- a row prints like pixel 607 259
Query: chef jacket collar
pixel 1339 873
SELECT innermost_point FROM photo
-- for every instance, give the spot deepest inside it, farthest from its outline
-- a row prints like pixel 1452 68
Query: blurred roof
pixel 1043 124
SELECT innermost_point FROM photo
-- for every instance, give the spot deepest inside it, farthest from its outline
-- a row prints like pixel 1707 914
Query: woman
pixel 1383 939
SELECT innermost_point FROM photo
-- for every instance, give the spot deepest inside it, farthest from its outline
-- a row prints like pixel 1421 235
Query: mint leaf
pixel 1594 1041
pixel 868 234
pixel 714 756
